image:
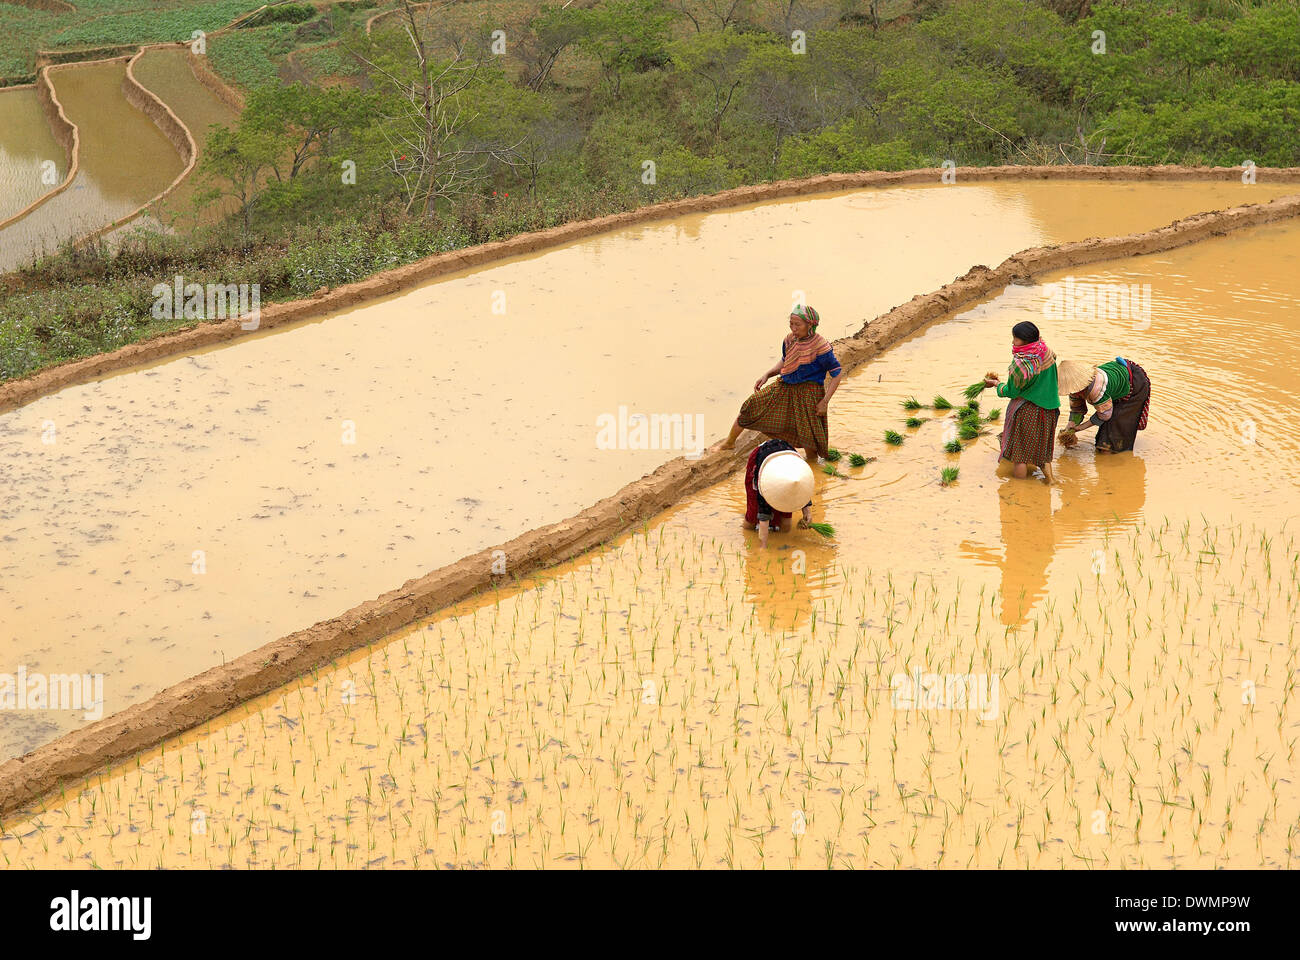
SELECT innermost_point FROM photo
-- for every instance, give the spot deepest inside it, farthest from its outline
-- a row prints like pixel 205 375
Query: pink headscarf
pixel 1037 350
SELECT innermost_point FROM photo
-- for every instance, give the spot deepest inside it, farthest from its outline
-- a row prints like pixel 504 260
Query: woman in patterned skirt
pixel 1121 392
pixel 1029 428
pixel 793 407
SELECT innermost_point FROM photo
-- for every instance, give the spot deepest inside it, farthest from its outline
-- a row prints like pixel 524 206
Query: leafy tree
pixel 778 88
pixel 425 112
pixel 1266 42
pixel 235 164
pixel 718 59
pixel 626 36
pixel 551 32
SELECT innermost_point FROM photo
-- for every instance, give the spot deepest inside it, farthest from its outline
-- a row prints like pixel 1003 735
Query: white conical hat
pixel 786 481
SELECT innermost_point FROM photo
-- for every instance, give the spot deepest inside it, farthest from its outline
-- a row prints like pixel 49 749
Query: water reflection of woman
pixel 783 584
pixel 1032 533
pixel 1025 515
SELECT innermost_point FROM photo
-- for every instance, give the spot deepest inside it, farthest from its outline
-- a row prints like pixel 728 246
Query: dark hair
pixel 1025 331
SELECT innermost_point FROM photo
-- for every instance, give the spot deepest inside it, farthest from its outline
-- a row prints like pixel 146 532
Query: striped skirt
pixel 1029 433
pixel 788 413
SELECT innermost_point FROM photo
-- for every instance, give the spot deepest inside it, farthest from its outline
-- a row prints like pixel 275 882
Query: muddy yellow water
pixel 645 708
pixel 125 162
pixel 161 521
pixel 997 673
pixel 31 161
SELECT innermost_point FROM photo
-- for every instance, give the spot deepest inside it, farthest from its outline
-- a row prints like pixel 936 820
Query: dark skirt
pixel 788 413
pixel 1129 415
pixel 1029 433
pixel 751 495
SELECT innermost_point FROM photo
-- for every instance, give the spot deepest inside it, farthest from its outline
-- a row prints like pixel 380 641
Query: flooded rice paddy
pixel 159 522
pixel 124 162
pixel 166 73
pixel 994 674
pixel 31 161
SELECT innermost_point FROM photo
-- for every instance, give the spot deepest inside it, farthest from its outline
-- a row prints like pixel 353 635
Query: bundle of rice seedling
pixel 825 529
pixel 915 421
pixel 940 403
pixel 993 415
pixel 858 460
pixel 1067 438
pixel 948 476
pixel 830 471
pixel 967 415
pixel 973 405
pixel 911 403
pixel 892 438
pixel 968 431
pixel 952 446
pixel 833 455
pixel 973 391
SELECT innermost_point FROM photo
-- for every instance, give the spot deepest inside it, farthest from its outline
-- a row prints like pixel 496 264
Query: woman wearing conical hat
pixel 778 481
pixel 1120 393
pixel 793 407
pixel 1029 427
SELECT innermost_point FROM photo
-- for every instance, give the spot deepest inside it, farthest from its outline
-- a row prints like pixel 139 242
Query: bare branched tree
pixel 427 126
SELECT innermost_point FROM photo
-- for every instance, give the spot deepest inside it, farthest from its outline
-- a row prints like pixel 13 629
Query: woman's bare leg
pixel 732 437
pixel 1021 471
pixel 1049 473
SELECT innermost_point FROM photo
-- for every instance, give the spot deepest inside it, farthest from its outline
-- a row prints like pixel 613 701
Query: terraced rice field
pixel 166 73
pixel 997 673
pixel 125 162
pixel 31 161
pixel 189 512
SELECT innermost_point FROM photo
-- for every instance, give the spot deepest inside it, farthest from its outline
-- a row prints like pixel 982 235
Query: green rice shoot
pixel 915 421
pixel 893 438
pixel 948 476
pixel 911 403
pixel 973 391
pixel 952 446
pixel 825 529
pixel 968 431
pixel 857 460
pixel 833 455
pixel 993 414
pixel 941 403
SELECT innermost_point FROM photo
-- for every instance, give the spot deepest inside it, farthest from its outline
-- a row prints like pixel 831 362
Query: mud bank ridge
pixel 220 89
pixel 65 132
pixel 165 119
pixel 50 6
pixel 205 697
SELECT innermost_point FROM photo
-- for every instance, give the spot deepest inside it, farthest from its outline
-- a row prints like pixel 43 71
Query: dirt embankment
pixel 206 696
pixel 220 89
pixel 54 58
pixel 65 132
pixel 165 119
pixel 143 100
pixel 53 6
